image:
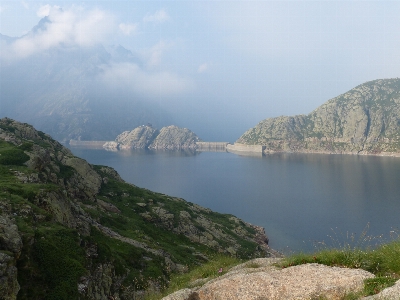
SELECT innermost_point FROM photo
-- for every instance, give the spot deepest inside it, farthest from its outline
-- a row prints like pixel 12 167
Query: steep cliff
pixel 365 120
pixel 71 230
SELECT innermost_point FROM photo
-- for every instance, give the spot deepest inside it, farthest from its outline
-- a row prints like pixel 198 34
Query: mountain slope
pixel 365 120
pixel 71 230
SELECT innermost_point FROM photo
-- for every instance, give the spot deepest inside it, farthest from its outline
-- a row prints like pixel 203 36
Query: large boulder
pixel 260 279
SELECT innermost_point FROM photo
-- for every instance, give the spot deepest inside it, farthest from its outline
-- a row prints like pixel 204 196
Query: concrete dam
pixel 237 148
pixel 243 149
pixel 211 146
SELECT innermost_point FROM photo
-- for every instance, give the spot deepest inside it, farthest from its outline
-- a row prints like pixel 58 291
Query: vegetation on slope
pixel 383 261
pixel 70 230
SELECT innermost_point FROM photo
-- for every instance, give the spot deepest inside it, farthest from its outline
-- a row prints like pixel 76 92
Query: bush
pixel 13 157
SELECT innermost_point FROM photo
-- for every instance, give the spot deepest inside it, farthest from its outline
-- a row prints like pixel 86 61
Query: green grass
pixel 383 261
pixel 206 271
pixel 52 265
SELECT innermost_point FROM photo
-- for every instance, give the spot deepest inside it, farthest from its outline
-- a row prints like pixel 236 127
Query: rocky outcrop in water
pixel 365 120
pixel 147 137
pixel 174 138
pixel 138 138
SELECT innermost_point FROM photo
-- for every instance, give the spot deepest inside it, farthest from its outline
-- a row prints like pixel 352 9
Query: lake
pixel 300 199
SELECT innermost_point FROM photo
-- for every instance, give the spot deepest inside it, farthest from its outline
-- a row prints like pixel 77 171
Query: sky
pixel 223 66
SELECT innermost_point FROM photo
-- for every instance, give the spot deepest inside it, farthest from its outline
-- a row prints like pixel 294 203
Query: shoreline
pixel 239 149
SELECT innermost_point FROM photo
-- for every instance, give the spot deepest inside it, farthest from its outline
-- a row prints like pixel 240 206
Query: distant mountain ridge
pixel 364 120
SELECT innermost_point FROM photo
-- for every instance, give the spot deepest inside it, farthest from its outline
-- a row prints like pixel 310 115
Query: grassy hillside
pixel 71 230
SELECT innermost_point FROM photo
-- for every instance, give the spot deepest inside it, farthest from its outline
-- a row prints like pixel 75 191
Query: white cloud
pixel 129 76
pixel 2 8
pixel 43 11
pixel 70 27
pixel 128 28
pixel 156 52
pixel 25 4
pixel 159 16
pixel 203 68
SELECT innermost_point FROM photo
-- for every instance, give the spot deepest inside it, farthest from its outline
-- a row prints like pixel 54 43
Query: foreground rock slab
pixel 309 281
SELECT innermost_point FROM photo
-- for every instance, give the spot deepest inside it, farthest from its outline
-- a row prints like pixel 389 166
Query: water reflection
pixel 299 198
pixel 173 153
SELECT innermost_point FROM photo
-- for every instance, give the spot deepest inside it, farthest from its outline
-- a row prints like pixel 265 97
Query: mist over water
pixel 300 200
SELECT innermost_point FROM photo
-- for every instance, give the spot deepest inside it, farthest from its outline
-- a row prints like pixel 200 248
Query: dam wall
pixel 87 144
pixel 243 149
pixel 211 146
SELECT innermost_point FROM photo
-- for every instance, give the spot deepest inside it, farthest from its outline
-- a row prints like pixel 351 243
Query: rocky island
pixel 147 137
pixel 72 230
pixel 364 120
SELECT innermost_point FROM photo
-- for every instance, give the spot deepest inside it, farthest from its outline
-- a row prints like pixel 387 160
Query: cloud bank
pixel 159 16
pixel 71 27
pixel 129 77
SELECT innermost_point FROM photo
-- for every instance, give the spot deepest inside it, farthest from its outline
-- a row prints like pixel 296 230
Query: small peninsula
pixel 364 120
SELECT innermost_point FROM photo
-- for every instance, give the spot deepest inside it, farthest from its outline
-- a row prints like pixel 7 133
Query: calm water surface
pixel 300 199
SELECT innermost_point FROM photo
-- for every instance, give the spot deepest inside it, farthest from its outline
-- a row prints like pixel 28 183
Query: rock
pixel 179 295
pixel 90 178
pixel 9 286
pixel 174 138
pixel 10 239
pixel 108 206
pixel 99 285
pixel 365 120
pixel 138 138
pixel 147 137
pixel 259 279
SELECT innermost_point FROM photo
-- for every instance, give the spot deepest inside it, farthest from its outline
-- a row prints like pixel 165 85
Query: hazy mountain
pixel 58 90
pixel 364 120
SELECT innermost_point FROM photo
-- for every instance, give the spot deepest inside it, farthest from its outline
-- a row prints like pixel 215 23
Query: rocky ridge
pixel 364 120
pixel 71 230
pixel 146 137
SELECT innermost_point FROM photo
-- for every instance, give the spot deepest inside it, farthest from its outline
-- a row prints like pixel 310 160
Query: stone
pixel 261 279
pixel 9 286
pixel 10 239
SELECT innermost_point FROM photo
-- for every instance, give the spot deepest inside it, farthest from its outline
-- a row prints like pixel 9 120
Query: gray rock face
pixel 174 138
pixel 146 137
pixel 10 239
pixel 365 120
pixel 9 286
pixel 138 138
